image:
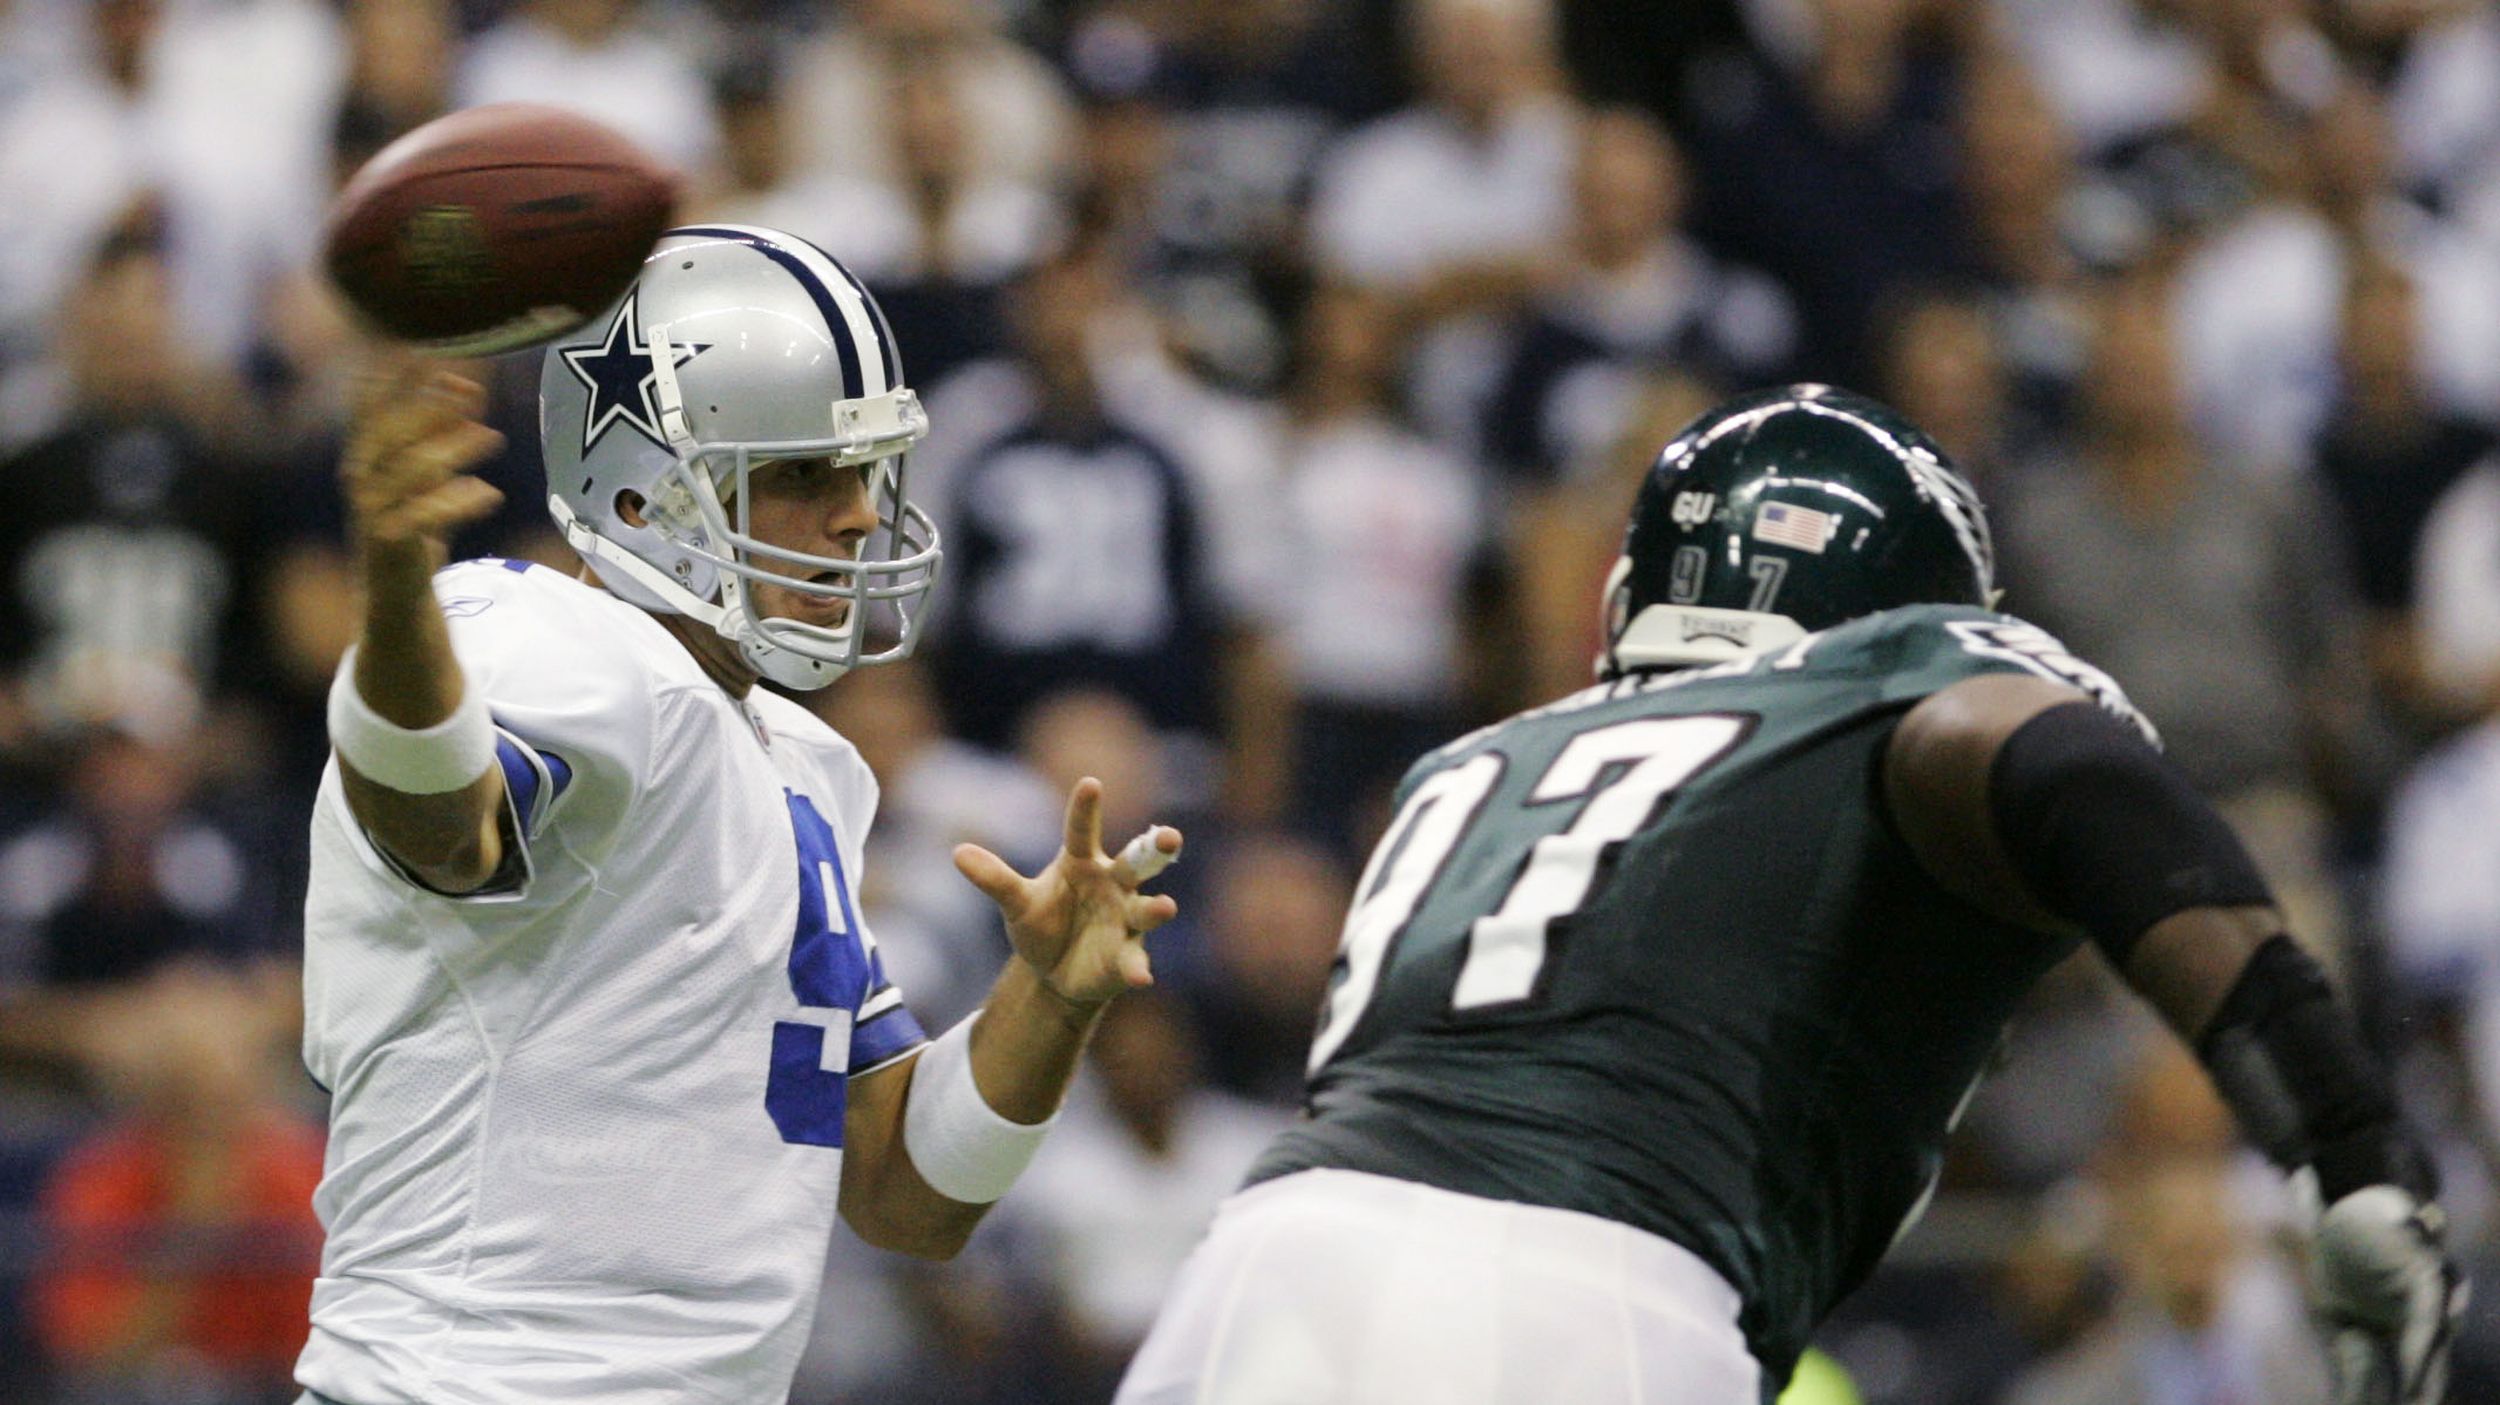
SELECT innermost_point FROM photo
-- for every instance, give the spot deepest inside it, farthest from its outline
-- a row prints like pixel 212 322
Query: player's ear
pixel 629 508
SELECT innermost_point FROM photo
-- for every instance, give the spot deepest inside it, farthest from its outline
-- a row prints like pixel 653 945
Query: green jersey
pixel 1654 953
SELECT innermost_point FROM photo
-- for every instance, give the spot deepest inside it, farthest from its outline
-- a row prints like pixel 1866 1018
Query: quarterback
pixel 607 1041
pixel 1655 1005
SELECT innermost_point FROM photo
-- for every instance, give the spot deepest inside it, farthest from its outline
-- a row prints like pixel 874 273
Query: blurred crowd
pixel 1290 364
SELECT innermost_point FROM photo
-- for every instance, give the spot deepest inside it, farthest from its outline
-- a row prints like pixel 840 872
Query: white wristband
pixel 444 757
pixel 958 1142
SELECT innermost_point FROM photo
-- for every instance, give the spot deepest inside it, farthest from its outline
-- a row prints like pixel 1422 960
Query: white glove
pixel 2388 1297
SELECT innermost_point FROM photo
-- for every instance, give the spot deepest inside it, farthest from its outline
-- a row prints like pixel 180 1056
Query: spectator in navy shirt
pixel 1075 549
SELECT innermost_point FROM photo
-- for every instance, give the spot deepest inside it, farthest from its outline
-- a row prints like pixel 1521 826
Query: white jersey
pixel 586 1132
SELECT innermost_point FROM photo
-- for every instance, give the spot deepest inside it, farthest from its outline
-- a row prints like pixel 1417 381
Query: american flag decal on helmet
pixel 1801 527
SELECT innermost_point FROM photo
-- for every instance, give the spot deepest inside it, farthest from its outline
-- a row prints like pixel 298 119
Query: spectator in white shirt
pixel 1455 200
pixel 598 58
pixel 1017 110
pixel 2456 592
pixel 1128 1185
pixel 1389 529
pixel 217 114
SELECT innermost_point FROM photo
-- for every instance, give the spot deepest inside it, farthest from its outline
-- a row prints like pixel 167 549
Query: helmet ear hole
pixel 629 506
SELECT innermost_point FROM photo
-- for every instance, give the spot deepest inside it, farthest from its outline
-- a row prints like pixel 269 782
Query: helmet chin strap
pixel 731 621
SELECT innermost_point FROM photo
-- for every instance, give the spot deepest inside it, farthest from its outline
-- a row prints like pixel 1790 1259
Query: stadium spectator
pixel 1274 905
pixel 938 935
pixel 2386 454
pixel 1638 295
pixel 1829 162
pixel 2117 73
pixel 144 100
pixel 2205 1312
pixel 2439 903
pixel 1378 514
pixel 1473 178
pixel 1561 542
pixel 136 869
pixel 2041 223
pixel 1457 200
pixel 1017 118
pixel 2457 593
pixel 1943 367
pixel 1254 91
pixel 2254 667
pixel 185 1242
pixel 2261 297
pixel 601 58
pixel 130 588
pixel 1076 547
pixel 938 235
pixel 2443 96
pixel 1143 1155
pixel 402 59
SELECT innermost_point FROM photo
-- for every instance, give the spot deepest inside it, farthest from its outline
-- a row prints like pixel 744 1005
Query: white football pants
pixel 1339 1288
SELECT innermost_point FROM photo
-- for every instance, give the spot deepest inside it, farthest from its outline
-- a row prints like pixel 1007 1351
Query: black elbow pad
pixel 2108 834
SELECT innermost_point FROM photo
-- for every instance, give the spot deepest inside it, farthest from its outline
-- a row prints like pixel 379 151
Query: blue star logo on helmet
pixel 618 373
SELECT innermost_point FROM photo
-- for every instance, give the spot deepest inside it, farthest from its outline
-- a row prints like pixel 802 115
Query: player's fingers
pixel 1146 912
pixel 1136 967
pixel 425 464
pixel 412 407
pixel 392 373
pixel 456 394
pixel 447 451
pixel 388 500
pixel 460 501
pixel 1151 852
pixel 997 881
pixel 1084 832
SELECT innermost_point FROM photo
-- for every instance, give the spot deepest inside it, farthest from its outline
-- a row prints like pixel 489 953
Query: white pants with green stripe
pixel 1337 1288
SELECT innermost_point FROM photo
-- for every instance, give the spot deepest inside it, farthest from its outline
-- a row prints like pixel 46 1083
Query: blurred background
pixel 1290 364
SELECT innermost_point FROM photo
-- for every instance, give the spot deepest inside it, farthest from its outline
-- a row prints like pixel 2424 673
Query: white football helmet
pixel 736 346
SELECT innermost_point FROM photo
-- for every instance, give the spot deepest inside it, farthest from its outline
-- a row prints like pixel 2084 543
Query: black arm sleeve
pixel 2287 1059
pixel 2107 833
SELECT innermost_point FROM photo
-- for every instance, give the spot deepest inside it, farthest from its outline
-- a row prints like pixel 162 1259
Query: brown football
pixel 496 227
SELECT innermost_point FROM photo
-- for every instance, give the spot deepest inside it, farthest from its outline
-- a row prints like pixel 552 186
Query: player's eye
pixel 797 476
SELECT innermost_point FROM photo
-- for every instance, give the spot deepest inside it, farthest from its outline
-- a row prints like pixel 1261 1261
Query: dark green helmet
pixel 1783 512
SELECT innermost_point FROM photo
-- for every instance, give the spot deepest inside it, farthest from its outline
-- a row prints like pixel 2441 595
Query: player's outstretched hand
pixel 404 471
pixel 2389 1297
pixel 1081 923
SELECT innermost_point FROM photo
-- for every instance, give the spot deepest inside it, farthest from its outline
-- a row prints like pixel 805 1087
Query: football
pixel 495 227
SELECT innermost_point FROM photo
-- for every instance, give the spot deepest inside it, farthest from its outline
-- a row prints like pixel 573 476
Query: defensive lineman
pixel 606 1038
pixel 1655 1005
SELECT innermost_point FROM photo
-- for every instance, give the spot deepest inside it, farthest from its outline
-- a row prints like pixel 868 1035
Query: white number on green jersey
pixel 1623 772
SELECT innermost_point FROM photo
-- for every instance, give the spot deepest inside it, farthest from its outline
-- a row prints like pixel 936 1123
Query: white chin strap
pixel 731 621
pixel 1676 636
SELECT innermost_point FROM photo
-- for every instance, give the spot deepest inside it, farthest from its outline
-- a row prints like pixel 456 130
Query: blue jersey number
pixel 807 1093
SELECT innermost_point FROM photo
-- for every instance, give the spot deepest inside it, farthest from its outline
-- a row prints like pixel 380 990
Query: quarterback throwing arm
pixel 2032 802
